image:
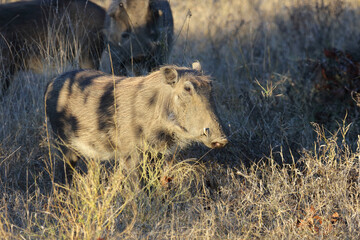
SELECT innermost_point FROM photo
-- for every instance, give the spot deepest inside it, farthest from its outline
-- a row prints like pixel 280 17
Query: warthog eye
pixel 206 132
pixel 121 5
pixel 187 88
pixel 125 35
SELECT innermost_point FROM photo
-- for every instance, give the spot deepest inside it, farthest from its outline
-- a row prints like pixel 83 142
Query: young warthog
pixel 31 31
pixel 139 34
pixel 102 117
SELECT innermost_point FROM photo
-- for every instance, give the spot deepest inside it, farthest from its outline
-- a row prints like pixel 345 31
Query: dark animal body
pixel 99 116
pixel 139 35
pixel 138 32
pixel 31 31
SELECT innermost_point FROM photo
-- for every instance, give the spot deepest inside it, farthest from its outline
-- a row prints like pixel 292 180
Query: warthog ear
pixel 196 66
pixel 170 74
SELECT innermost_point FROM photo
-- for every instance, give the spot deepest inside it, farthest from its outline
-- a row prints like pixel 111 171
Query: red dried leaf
pixel 165 180
pixel 312 221
pixel 323 73
pixel 335 217
pixel 330 53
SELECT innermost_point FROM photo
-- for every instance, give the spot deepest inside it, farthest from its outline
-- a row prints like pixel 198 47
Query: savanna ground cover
pixel 286 79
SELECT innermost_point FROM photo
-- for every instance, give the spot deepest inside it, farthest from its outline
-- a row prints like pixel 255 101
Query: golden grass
pixel 291 166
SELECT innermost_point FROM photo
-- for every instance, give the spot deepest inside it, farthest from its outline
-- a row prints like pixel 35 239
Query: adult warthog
pixel 139 35
pixel 38 30
pixel 138 32
pixel 101 117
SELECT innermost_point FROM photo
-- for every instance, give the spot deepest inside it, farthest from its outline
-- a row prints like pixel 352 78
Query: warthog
pixel 139 34
pixel 31 31
pixel 99 116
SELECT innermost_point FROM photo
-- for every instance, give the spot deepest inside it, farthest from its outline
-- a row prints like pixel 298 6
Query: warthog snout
pixel 219 143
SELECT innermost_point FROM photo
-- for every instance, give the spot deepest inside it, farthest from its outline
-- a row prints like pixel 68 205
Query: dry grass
pixel 293 161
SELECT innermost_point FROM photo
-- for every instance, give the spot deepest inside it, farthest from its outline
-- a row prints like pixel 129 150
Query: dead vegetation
pixel 288 99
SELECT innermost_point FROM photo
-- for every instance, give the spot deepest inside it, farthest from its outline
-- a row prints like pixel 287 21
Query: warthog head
pixel 139 34
pixel 193 110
